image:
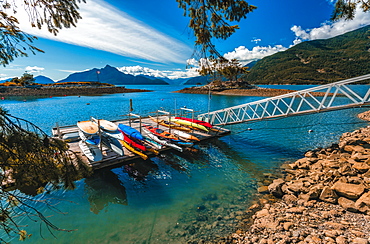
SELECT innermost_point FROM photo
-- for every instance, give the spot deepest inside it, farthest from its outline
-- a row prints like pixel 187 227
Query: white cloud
pixel 329 29
pixel 34 69
pixel 245 56
pixel 106 28
pixel 139 70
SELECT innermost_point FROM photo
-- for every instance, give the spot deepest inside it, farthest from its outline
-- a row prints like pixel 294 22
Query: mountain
pixel 199 80
pixel 111 75
pixel 40 79
pixel 317 62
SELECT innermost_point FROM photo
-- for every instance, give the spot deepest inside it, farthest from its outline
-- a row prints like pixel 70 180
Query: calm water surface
pixel 172 198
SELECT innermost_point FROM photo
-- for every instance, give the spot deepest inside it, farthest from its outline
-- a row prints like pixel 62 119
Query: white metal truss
pixel 334 96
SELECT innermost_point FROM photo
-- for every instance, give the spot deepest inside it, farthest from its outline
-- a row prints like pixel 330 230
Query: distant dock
pixel 110 158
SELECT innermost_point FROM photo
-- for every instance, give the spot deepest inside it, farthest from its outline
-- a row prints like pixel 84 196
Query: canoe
pixel 105 124
pixel 92 140
pixel 170 124
pixel 185 135
pixel 92 153
pixel 200 122
pixel 162 141
pixel 88 127
pixel 188 123
pixel 160 132
pixel 133 150
pixel 112 144
pixel 132 132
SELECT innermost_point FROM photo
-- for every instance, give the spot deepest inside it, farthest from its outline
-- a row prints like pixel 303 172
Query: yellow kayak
pixel 169 124
pixel 130 148
pixel 188 123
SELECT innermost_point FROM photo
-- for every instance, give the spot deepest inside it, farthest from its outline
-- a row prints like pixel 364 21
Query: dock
pixel 110 158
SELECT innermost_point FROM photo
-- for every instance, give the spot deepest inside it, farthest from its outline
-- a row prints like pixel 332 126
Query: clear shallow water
pixel 175 197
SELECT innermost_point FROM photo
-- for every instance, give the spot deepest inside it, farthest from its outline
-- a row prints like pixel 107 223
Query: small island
pixel 11 88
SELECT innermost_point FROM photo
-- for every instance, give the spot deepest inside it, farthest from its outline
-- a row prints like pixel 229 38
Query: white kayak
pixel 112 144
pixel 93 153
pixel 184 135
pixel 163 142
pixel 90 139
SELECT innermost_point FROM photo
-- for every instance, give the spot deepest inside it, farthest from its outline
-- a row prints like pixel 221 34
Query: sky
pixel 152 37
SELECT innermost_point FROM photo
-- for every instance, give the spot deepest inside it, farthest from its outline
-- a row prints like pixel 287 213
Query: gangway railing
pixel 333 96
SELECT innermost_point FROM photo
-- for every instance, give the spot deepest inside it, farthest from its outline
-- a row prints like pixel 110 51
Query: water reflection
pixel 103 188
pixel 141 169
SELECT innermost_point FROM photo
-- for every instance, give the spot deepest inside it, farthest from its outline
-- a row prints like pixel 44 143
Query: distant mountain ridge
pixel 113 76
pixel 317 62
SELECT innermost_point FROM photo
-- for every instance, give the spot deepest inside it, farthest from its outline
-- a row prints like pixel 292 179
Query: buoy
pixel 249 129
pixel 309 131
pixel 87 103
pixel 2 98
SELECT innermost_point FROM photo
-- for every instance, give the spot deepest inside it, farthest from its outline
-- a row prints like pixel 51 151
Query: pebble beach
pixel 323 197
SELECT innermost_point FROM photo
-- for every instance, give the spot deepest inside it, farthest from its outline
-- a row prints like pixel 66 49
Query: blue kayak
pixel 130 131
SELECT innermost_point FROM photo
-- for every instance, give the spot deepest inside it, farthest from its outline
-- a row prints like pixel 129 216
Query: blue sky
pixel 153 37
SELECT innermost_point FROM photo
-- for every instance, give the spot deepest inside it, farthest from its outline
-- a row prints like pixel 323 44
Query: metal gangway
pixel 333 96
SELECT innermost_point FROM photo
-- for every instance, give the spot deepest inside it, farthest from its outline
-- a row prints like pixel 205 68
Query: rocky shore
pixel 321 198
pixel 65 91
pixel 256 91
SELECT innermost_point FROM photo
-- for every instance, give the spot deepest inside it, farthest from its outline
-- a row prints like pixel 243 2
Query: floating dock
pixel 110 158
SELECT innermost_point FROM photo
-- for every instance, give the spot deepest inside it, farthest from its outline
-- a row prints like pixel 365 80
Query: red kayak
pixel 133 143
pixel 199 122
pixel 160 132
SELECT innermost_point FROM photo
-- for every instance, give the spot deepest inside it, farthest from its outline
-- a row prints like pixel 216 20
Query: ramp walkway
pixel 353 92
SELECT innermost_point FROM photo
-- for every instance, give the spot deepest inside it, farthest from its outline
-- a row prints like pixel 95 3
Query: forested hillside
pixel 317 62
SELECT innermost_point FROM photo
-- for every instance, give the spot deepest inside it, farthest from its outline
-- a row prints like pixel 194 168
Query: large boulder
pixel 275 188
pixel 328 195
pixel 350 191
pixel 363 203
pixel 347 204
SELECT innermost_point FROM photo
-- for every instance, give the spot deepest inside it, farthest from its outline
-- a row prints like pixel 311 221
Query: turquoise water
pixel 175 197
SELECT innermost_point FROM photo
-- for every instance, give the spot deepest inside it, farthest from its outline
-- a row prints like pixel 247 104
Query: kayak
pixel 112 144
pixel 170 124
pixel 132 149
pixel 160 132
pixel 200 122
pixel 188 123
pixel 105 124
pixel 185 135
pixel 133 143
pixel 128 130
pixel 92 140
pixel 162 141
pixel 152 142
pixel 92 153
pixel 88 127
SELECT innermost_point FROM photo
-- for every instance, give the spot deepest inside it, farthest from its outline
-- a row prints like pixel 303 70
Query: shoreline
pixel 66 91
pixel 255 92
pixel 323 197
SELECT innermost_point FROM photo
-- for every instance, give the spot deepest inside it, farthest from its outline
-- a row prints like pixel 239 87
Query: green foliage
pixel 54 14
pixel 346 8
pixel 317 62
pixel 211 19
pixel 26 79
pixel 29 161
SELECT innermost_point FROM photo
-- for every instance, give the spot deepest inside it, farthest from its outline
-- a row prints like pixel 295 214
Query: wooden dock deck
pixel 110 159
